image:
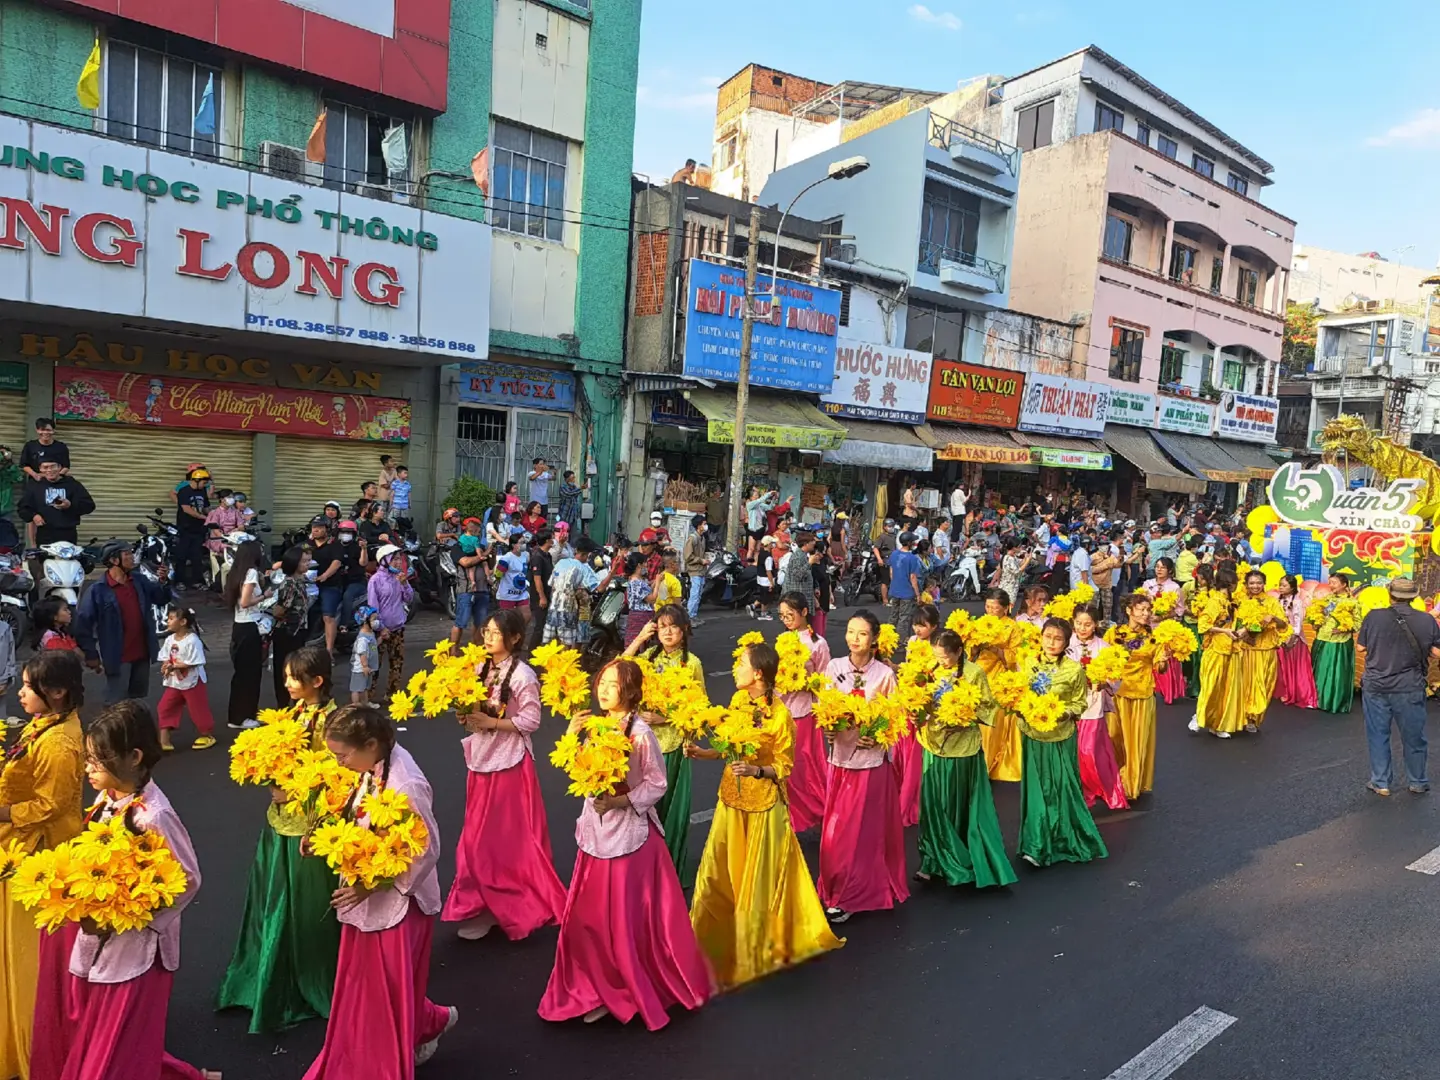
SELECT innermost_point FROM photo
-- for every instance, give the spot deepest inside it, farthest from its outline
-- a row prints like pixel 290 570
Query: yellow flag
pixel 88 88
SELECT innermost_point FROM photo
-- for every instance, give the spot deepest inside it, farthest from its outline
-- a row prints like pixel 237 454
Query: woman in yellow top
pixel 1220 707
pixel 40 797
pixel 1259 655
pixel 755 908
pixel 1135 696
pixel 1002 738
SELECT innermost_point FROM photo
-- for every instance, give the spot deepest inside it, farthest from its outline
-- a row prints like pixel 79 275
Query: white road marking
pixel 702 816
pixel 1177 1046
pixel 1427 864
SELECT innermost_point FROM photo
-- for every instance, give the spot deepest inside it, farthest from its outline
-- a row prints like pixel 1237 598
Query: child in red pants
pixel 182 663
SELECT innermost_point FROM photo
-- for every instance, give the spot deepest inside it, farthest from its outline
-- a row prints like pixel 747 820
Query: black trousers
pixel 282 644
pixel 247 653
pixel 190 558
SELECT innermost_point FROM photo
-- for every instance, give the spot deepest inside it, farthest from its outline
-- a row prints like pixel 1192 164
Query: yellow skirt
pixel 20 957
pixel 1001 741
pixel 755 908
pixel 1258 671
pixel 1221 705
pixel 1137 735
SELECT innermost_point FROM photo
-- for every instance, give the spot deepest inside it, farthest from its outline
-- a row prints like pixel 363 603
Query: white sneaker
pixel 476 928
pixel 427 1050
pixel 1194 725
pixel 1222 734
pixel 1251 729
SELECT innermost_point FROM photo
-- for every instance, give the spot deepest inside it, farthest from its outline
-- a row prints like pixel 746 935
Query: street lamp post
pixel 838 170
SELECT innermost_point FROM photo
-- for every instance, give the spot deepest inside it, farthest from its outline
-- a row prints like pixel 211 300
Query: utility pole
pixel 742 384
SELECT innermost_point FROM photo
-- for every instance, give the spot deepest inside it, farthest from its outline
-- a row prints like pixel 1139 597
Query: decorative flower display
pixel 1108 665
pixel 888 641
pixel 1163 606
pixel 564 686
pixel 452 683
pixel 596 758
pixel 374 840
pixel 1176 639
pixel 958 706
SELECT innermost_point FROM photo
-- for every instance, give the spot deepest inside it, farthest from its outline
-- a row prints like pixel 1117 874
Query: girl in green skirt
pixel 1333 655
pixel 1055 823
pixel 283 968
pixel 960 838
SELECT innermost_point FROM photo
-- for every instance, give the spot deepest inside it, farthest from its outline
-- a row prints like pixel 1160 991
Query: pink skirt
pixel 808 777
pixel 1171 682
pixel 58 1004
pixel 1295 684
pixel 503 864
pixel 862 846
pixel 120 1031
pixel 909 763
pixel 625 942
pixel 1099 772
pixel 380 1015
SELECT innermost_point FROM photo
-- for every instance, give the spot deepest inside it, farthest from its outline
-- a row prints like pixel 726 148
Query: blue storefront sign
pixel 484 383
pixel 793 347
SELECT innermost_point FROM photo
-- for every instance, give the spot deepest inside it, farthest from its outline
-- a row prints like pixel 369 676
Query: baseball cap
pixel 1404 589
pixel 656 517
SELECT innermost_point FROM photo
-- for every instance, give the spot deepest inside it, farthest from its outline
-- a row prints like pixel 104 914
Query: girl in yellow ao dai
pixel 1220 707
pixel 1259 653
pixel 1135 696
pixel 1001 739
pixel 755 908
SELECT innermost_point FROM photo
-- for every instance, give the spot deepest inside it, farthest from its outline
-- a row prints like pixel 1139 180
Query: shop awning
pixel 1137 446
pixel 1203 457
pixel 1063 452
pixel 889 446
pixel 951 442
pixel 1253 457
pixel 770 420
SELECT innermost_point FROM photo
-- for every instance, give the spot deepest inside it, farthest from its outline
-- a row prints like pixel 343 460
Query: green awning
pixel 789 423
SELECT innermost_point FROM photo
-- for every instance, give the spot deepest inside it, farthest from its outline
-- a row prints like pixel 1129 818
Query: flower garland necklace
pixel 106 805
pixel 1132 637
pixel 32 734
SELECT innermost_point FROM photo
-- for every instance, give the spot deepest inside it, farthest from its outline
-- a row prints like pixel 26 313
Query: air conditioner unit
pixel 847 253
pixel 290 163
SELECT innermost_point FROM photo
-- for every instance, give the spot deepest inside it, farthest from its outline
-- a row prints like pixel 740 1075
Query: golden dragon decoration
pixel 1348 436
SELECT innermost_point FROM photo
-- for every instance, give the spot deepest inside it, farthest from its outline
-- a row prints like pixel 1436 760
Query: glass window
pixel 931 330
pixel 1167 146
pixel 1108 119
pixel 1204 166
pixel 1234 375
pixel 1036 126
pixel 1248 286
pixel 354 149
pixel 1126 347
pixel 153 98
pixel 949 226
pixel 1207 372
pixel 1172 364
pixel 1142 132
pixel 529 182
pixel 1119 234
pixel 1182 263
pixel 1238 184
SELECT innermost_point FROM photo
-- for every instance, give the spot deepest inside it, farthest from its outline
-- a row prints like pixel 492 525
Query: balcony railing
pixel 945 133
pixel 932 255
pixel 1217 297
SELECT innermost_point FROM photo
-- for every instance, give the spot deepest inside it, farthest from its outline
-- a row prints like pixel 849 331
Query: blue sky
pixel 1345 106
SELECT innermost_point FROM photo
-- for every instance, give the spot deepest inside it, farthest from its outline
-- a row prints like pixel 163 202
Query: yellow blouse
pixel 43 785
pixel 1211 622
pixel 1139 678
pixel 953 742
pixel 1001 658
pixel 776 741
pixel 287 824
pixel 671 740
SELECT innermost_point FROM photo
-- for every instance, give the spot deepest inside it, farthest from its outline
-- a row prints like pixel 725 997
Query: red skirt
pixel 625 942
pixel 380 1015
pixel 503 864
pixel 909 769
pixel 862 846
pixel 1295 683
pixel 1099 771
pixel 808 777
pixel 120 1031
pixel 1171 682
pixel 58 1004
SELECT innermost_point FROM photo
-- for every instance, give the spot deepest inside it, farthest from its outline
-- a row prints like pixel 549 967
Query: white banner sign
pixel 1186 416
pixel 1248 417
pixel 878 382
pixel 101 225
pixel 377 16
pixel 1064 406
pixel 1132 407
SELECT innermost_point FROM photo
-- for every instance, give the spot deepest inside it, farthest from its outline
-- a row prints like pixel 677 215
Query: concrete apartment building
pixel 1339 281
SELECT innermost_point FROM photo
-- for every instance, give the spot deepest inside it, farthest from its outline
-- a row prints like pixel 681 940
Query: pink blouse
pixel 803 702
pixel 1154 588
pixel 387 907
pixel 620 832
pixel 1033 620
pixel 876 678
pixel 131 954
pixel 494 751
pixel 1294 609
pixel 1097 699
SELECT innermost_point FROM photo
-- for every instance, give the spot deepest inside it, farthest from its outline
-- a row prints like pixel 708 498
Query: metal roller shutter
pixel 130 471
pixel 15 429
pixel 310 472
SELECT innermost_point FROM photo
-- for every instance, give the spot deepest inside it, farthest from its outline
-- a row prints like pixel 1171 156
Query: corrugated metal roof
pixel 1136 446
pixel 1203 457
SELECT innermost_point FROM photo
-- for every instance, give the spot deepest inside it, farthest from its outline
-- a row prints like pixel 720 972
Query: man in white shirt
pixel 540 476
pixel 957 502
pixel 1080 563
pixel 940 547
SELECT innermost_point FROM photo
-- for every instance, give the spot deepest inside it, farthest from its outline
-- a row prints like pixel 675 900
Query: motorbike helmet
pixel 363 612
pixel 331 503
pixel 319 521
pixel 113 550
pixel 386 550
pixel 346 526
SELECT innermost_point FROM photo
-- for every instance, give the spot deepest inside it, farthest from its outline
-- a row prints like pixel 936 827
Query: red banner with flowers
pixel 112 397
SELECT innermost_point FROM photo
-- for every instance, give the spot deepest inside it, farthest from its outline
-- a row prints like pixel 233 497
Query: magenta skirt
pixel 626 942
pixel 1171 682
pixel 503 864
pixel 1099 773
pixel 120 1030
pixel 909 759
pixel 380 1015
pixel 862 846
pixel 809 776
pixel 58 1004
pixel 1295 683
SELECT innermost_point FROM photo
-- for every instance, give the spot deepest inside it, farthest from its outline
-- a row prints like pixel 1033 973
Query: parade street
pixel 1261 882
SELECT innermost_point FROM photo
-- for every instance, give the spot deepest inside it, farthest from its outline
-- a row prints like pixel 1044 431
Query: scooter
pixel 862 578
pixel 62 573
pixel 607 639
pixel 728 582
pixel 962 582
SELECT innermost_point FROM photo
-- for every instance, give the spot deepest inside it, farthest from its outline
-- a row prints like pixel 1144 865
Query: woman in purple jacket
pixel 389 594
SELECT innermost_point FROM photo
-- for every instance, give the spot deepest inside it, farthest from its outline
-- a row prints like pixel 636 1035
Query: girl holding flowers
pixel 626 947
pixel 909 757
pixel 960 839
pixel 40 795
pixel 1295 681
pixel 1055 823
pixel 1336 618
pixel 810 772
pixel 1036 597
pixel 1099 770
pixel 1135 696
pixel 862 843
pixel 121 982
pixel 755 909
pixel 1220 705
pixel 1192 595
pixel 1002 738
pixel 665 643
pixel 381 1023
pixel 283 968
pixel 504 872
pixel 1167 601
pixel 1263 627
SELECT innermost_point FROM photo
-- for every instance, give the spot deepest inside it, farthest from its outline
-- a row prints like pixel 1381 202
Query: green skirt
pixel 1055 823
pixel 283 968
pixel 960 838
pixel 1191 667
pixel 1334 663
pixel 674 811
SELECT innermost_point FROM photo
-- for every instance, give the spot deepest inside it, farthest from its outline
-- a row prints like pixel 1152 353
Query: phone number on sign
pixel 330 330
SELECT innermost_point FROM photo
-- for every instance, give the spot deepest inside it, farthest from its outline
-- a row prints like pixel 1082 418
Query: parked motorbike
pixel 729 582
pixel 16 586
pixel 961 584
pixel 863 577
pixel 607 636
pixel 62 572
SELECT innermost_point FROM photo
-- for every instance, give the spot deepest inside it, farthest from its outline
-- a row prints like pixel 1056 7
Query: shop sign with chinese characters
pixel 105 226
pixel 971 394
pixel 1064 406
pixel 878 382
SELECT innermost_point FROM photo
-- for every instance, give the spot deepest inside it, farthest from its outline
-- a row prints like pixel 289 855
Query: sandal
pixel 204 742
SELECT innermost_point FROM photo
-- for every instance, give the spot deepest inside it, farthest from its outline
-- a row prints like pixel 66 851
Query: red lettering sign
pixel 970 394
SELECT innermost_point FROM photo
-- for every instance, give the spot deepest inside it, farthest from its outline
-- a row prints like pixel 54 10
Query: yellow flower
pixel 1043 712
pixel 1007 687
pixel 1062 607
pixel 1082 594
pixel 754 637
pixel 1177 639
pixel 1163 605
pixel 959 621
pixel 596 764
pixel 837 711
pixel 385 808
pixel 1108 665
pixel 887 723
pixel 564 686
pixel 11 856
pixel 1251 614
pixel 547 654
pixel 439 652
pixel 888 641
pixel 959 706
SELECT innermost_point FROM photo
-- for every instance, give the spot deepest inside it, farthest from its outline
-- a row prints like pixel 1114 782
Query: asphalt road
pixel 1261 881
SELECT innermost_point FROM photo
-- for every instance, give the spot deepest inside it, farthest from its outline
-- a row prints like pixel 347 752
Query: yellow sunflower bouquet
pixel 888 641
pixel 677 697
pixel 959 621
pixel 1108 665
pixel 564 686
pixel 836 710
pixel 916 678
pixel 267 755
pixel 1250 613
pixel 1163 606
pixel 1177 639
pixel 596 757
pixel 453 682
pixel 1042 712
pixel 986 632
pixel 1007 687
pixel 735 731
pixel 1062 607
pixel 794 676
pixel 958 707
pixel 376 845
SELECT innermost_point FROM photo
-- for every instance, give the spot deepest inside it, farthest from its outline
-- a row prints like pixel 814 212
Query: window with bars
pixel 1172 364
pixel 154 98
pixel 529 182
pixel 482 446
pixel 1247 286
pixel 1126 348
pixel 355 149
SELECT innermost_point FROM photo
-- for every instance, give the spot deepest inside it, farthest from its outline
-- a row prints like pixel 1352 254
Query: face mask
pixel 346 538
pixel 228 501
pixel 397 570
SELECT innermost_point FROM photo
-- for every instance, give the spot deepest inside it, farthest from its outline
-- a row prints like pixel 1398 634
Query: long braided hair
pixel 511 626
pixel 766 662
pixel 673 615
pixel 114 737
pixel 357 725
